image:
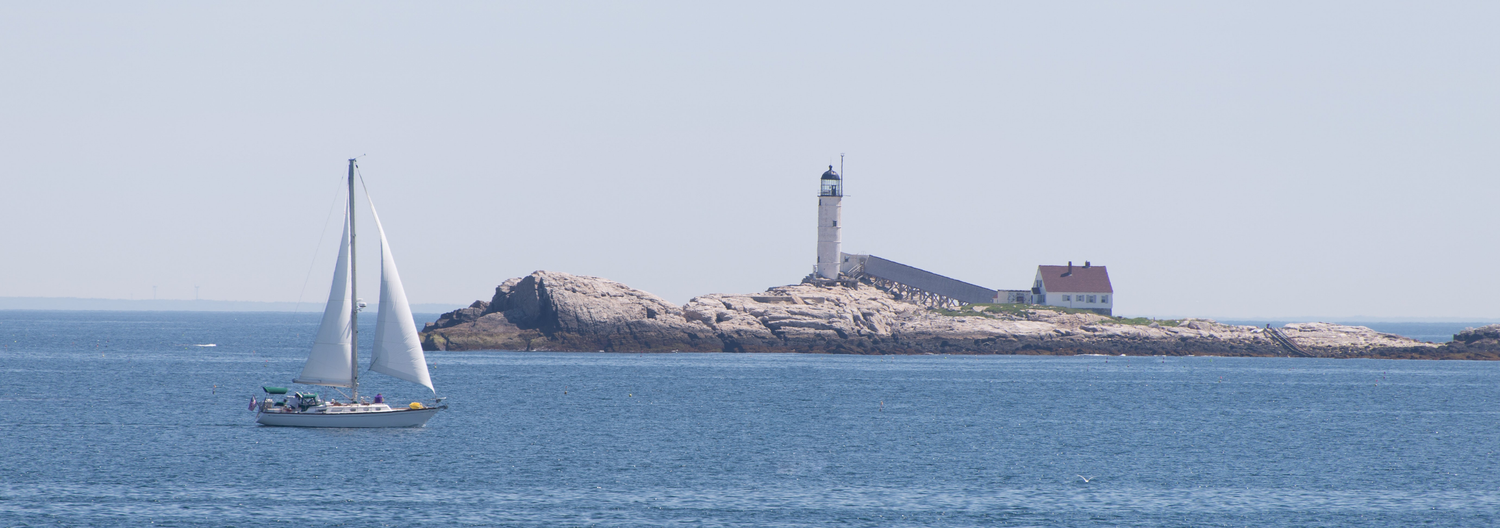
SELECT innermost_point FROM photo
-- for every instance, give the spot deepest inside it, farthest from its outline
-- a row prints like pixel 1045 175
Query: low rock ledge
pixel 552 311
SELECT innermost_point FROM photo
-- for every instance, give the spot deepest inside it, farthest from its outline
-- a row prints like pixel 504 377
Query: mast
pixel 353 294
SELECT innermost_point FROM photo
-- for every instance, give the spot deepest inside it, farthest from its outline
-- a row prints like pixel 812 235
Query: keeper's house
pixel 1069 286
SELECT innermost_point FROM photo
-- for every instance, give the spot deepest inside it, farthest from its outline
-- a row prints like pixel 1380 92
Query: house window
pixel 1093 298
pixel 1067 298
pixel 1104 299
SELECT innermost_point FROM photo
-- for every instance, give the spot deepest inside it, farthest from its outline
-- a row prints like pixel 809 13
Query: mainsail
pixel 328 362
pixel 398 348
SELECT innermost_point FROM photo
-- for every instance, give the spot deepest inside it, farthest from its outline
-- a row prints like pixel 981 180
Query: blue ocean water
pixel 117 419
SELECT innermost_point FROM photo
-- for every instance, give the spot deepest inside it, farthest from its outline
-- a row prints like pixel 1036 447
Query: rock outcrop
pixel 559 311
pixel 563 312
pixel 1475 343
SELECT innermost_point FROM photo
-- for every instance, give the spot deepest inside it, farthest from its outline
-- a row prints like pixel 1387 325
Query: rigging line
pixel 362 185
pixel 318 250
pixel 372 206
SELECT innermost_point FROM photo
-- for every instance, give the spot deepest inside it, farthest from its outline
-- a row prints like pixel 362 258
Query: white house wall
pixel 1056 299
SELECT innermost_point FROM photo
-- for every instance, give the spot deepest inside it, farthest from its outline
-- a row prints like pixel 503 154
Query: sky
pixel 1224 159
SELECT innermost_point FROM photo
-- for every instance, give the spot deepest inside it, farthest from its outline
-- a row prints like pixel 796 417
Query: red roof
pixel 1093 279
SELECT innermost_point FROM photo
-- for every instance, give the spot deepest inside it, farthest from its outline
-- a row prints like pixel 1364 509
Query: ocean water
pixel 117 419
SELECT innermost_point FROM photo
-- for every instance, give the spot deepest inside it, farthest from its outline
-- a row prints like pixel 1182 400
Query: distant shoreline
pixel 185 305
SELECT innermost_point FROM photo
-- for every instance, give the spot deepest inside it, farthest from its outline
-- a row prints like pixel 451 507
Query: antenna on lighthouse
pixel 841 169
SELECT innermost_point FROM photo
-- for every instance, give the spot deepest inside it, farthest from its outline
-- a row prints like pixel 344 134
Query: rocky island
pixel 552 311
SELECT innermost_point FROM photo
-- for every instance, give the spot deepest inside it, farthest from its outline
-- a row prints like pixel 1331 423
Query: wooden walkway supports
pixel 911 293
pixel 1286 342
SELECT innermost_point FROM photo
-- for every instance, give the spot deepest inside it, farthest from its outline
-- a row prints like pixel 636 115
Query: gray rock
pixel 558 311
pixel 1483 333
pixel 464 315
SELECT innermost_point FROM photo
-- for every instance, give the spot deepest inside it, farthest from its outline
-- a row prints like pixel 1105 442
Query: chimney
pixel 1085 264
pixel 1070 269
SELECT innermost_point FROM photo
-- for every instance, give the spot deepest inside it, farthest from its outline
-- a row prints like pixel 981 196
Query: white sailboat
pixel 334 358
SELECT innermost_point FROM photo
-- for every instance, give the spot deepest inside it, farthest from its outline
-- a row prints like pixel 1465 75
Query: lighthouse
pixel 830 193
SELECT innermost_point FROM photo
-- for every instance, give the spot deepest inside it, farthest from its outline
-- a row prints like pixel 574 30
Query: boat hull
pixel 397 418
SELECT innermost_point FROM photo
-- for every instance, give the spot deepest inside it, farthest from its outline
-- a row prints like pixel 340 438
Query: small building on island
pixel 1086 287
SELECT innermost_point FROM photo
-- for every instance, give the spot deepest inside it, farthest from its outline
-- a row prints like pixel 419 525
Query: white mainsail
pixel 398 347
pixel 328 362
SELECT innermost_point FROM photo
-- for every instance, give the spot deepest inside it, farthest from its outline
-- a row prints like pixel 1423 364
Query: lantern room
pixel 831 184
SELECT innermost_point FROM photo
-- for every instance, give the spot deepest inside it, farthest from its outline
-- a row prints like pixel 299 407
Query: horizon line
pixel 220 305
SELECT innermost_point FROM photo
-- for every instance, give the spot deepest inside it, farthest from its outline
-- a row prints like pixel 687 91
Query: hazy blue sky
pixel 1326 159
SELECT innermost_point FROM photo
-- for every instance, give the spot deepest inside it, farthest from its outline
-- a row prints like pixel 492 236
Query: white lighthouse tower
pixel 830 194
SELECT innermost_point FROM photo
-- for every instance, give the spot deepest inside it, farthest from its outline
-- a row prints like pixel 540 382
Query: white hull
pixel 394 418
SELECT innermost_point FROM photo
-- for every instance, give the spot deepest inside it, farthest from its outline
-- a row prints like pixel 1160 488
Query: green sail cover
pixel 275 390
